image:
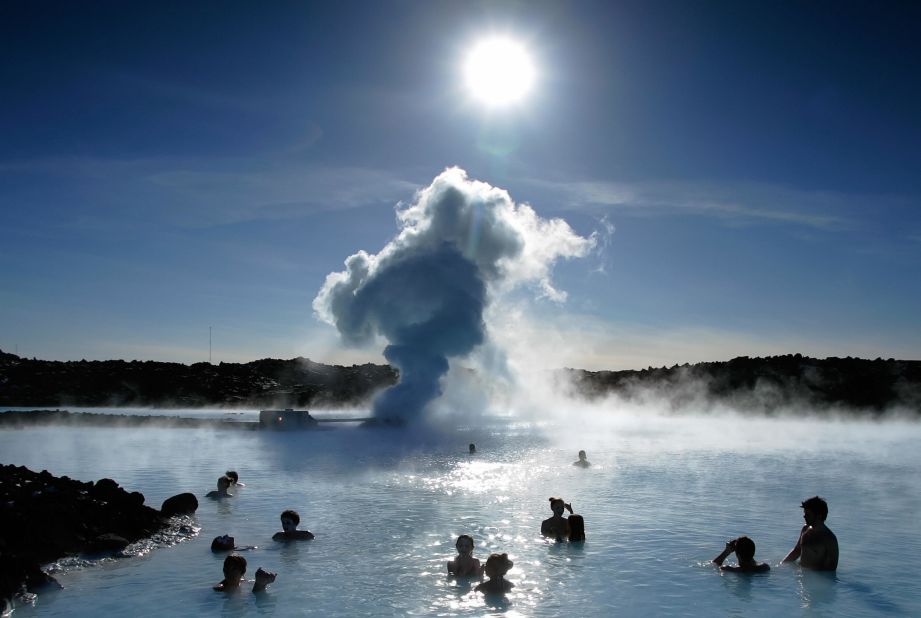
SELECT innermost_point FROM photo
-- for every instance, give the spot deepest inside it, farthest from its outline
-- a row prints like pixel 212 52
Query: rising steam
pixel 461 243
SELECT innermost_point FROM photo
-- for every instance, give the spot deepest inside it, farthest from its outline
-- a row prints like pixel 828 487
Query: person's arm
pixel 452 566
pixel 797 549
pixel 730 547
pixel 812 551
pixel 263 579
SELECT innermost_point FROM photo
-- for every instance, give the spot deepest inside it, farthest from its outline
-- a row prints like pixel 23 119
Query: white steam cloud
pixel 461 244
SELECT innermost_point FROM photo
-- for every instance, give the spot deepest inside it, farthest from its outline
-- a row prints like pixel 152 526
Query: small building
pixel 288 418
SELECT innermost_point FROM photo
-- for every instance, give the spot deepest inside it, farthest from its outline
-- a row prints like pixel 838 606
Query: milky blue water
pixel 660 500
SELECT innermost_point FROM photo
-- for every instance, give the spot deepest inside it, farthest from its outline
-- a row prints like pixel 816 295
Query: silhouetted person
pixel 465 564
pixel 223 484
pixel 234 478
pixel 583 462
pixel 497 565
pixel 576 528
pixel 289 521
pixel 817 546
pixel 225 542
pixel 744 548
pixel 472 448
pixel 234 568
pixel 556 526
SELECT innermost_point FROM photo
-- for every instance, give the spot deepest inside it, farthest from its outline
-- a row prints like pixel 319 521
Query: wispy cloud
pixel 734 203
pixel 200 193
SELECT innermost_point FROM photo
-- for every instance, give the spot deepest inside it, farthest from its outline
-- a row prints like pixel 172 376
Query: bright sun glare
pixel 499 72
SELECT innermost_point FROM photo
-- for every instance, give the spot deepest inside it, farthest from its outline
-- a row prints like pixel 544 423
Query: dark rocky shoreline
pixel 759 385
pixel 44 518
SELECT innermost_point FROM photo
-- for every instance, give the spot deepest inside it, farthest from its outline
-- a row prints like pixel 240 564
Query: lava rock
pixel 180 504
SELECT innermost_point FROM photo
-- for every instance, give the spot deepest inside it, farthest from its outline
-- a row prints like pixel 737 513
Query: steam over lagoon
pixel 660 499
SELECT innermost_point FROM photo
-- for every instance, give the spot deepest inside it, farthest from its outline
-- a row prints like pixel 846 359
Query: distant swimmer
pixel 556 526
pixel 497 565
pixel 817 546
pixel 225 542
pixel 289 522
pixel 744 548
pixel 465 565
pixel 583 462
pixel 576 528
pixel 223 484
pixel 234 478
pixel 472 448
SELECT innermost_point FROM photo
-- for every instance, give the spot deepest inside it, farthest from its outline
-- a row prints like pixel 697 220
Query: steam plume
pixel 460 244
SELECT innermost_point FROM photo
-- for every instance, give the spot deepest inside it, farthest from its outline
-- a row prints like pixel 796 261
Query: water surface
pixel 662 496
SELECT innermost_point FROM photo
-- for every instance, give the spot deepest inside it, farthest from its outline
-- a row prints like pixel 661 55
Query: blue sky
pixel 170 166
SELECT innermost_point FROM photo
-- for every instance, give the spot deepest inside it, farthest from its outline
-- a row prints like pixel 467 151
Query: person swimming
pixel 497 565
pixel 234 478
pixel 817 545
pixel 289 522
pixel 223 484
pixel 556 526
pixel 582 462
pixel 472 448
pixel 225 542
pixel 235 568
pixel 465 564
pixel 744 548
pixel 576 528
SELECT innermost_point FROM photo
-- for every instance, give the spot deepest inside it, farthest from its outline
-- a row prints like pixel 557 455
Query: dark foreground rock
pixel 44 518
pixel 180 504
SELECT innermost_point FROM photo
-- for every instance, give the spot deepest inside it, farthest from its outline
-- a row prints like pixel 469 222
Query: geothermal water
pixel 661 498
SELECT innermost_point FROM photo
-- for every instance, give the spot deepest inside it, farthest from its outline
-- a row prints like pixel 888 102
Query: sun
pixel 499 72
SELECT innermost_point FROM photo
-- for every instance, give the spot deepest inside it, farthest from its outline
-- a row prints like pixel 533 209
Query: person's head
pixel 557 506
pixel 289 520
pixel 464 544
pixel 234 567
pixel 497 565
pixel 576 528
pixel 233 476
pixel 223 483
pixel 225 542
pixel 745 549
pixel 472 447
pixel 582 456
pixel 815 510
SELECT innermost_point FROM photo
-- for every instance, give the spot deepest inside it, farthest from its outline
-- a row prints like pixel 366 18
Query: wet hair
pixel 224 480
pixel 554 500
pixel 817 505
pixel 233 476
pixel 576 528
pixel 292 515
pixel 497 564
pixel 222 543
pixel 582 455
pixel 234 563
pixel 745 548
pixel 464 536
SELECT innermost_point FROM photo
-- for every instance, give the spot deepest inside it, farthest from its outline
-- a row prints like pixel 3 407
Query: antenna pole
pixel 209 345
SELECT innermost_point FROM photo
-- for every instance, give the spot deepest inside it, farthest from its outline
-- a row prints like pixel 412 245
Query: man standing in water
pixel 817 547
